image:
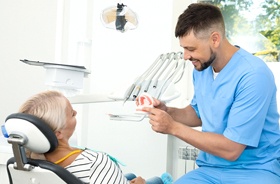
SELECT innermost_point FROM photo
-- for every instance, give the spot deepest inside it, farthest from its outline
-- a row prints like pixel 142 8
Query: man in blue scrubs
pixel 234 103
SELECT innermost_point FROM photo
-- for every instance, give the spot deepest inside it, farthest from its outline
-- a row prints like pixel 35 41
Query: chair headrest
pixel 40 138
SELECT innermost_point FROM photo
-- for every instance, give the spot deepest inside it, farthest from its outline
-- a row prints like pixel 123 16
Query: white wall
pixel 27 31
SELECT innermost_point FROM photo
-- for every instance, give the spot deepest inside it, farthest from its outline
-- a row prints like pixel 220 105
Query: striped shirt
pixel 96 168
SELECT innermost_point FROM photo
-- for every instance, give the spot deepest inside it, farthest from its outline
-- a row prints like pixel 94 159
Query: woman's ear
pixel 58 135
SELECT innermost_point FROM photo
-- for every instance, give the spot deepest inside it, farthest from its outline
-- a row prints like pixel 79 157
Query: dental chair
pixel 27 131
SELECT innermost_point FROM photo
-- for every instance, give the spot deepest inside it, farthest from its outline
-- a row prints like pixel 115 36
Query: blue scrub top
pixel 240 104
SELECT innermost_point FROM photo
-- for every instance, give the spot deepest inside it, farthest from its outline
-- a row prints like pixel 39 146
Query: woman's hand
pixel 138 180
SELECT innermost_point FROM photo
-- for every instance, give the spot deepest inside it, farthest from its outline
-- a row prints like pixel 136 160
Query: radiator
pixel 187 156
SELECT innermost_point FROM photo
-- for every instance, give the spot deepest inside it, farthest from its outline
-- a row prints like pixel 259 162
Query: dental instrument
pixel 135 88
pixel 158 81
pixel 171 57
pixel 129 92
pixel 167 81
pixel 127 117
pixel 159 74
pixel 155 70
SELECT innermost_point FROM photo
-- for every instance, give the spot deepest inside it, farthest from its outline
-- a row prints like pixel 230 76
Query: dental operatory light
pixel 120 18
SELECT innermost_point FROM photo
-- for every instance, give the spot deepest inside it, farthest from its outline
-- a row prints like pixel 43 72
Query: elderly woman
pixel 87 165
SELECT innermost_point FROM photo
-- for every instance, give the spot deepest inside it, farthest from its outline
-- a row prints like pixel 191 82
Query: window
pixel 253 25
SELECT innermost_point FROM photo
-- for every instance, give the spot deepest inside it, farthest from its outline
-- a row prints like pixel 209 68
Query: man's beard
pixel 209 62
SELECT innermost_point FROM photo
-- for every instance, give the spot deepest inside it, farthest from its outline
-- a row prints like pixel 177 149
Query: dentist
pixel 234 102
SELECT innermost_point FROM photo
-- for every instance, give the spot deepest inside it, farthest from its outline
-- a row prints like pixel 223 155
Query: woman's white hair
pixel 50 106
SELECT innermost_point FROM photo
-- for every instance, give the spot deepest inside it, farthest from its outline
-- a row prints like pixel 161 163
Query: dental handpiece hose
pixel 170 58
pixel 155 71
pixel 129 92
pixel 141 79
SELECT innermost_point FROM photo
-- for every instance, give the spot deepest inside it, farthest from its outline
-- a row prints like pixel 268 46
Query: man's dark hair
pixel 199 18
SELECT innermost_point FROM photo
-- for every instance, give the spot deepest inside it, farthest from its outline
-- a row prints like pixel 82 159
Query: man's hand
pixel 160 120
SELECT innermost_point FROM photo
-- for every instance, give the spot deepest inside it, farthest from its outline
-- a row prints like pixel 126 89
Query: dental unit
pixel 158 81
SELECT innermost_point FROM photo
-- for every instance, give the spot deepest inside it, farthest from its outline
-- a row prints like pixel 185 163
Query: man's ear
pixel 215 39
